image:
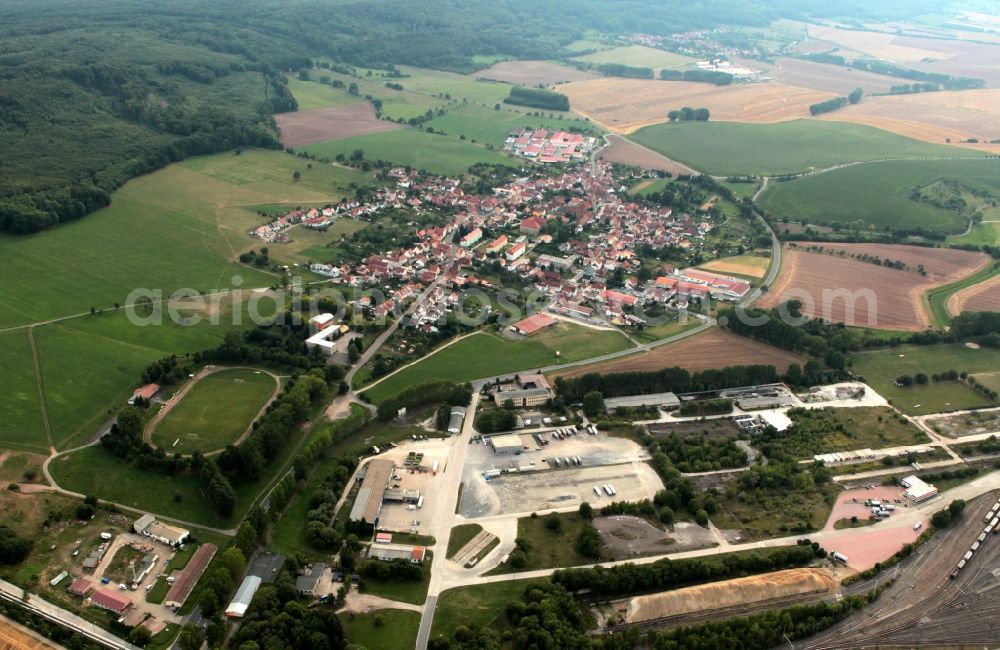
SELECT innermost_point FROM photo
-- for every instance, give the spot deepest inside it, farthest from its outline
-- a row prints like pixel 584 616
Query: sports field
pixel 437 154
pixel 485 355
pixel 727 148
pixel 878 194
pixel 215 411
pixel 639 56
pixel 880 368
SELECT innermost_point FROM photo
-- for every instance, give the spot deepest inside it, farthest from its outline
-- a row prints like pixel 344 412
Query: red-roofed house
pixel 110 601
pixel 532 226
pixel 516 251
pixel 145 393
pixel 534 324
pixel 497 244
pixel 80 587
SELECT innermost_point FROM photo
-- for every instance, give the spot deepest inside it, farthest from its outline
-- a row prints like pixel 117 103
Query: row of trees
pixel 674 380
pixel 835 103
pixel 426 394
pixel 688 114
pixel 702 76
pixel 629 71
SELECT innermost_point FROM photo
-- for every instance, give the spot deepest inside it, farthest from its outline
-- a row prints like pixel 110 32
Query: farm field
pixel 424 81
pixel 395 104
pixel 639 56
pixel 321 124
pixel 784 148
pixel 881 367
pixel 984 296
pixel 215 411
pixel 193 224
pixel 437 154
pixel 312 95
pixel 626 152
pixel 485 355
pixel 385 629
pixel 829 78
pixel 625 105
pixel 91 365
pixel 481 124
pixel 877 44
pixel 878 194
pixel 841 289
pixel 20 409
pixel 532 73
pixel 933 117
pixel 754 266
pixel 714 348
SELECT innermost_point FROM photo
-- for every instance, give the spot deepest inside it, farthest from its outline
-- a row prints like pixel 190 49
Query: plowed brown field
pixel 932 117
pixel 624 105
pixel 15 637
pixel 715 348
pixel 847 290
pixel 984 296
pixel 532 73
pixel 627 152
pixel 322 124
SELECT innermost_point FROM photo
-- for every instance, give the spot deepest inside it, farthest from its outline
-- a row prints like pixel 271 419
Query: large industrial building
pixel 666 401
pixel 456 421
pixel 917 490
pixel 368 503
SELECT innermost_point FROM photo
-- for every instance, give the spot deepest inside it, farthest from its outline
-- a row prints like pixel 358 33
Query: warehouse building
pixel 243 596
pixel 390 552
pixel 110 601
pixel 667 401
pixel 507 444
pixel 148 525
pixel 368 504
pixel 457 420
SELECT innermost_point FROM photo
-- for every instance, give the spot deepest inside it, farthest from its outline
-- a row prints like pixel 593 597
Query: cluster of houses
pixel 545 146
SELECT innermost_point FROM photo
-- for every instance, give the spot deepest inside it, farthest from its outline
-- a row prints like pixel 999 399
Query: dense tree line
pixel 625 579
pixel 827 106
pixel 322 506
pixel 493 420
pixel 537 98
pixel 688 114
pixel 629 71
pixel 700 76
pixel 946 81
pixel 428 393
pixel 675 380
pixel 706 407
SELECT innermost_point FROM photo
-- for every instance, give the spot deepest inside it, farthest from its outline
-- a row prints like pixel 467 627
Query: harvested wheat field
pixel 624 105
pixel 752 266
pixel 829 78
pixel 932 117
pixel 322 124
pixel 984 296
pixel 837 287
pixel 17 637
pixel 881 45
pixel 714 348
pixel 626 152
pixel 779 587
pixel 532 73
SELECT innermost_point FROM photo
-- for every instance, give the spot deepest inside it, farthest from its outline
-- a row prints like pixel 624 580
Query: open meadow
pixel 438 154
pixel 727 148
pixel 880 368
pixel 385 629
pixel 715 348
pixel 311 95
pixel 638 56
pixel 486 125
pixel 20 409
pixel 840 282
pixel 532 73
pixel 880 195
pixel 215 411
pixel 624 105
pixel 486 355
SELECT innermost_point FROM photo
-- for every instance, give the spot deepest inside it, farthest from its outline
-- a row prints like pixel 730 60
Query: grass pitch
pixel 215 412
pixel 485 355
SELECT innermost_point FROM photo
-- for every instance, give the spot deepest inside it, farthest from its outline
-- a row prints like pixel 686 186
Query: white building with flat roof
pixel 917 490
pixel 507 444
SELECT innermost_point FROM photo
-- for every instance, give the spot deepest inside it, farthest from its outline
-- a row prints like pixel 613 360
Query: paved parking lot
pixel 851 503
pixel 398 516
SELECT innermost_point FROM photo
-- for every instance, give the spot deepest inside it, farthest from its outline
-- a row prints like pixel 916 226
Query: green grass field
pixel 478 606
pixel 437 154
pixel 215 412
pixel 981 234
pixel 312 95
pixel 406 591
pixel 639 56
pixel 384 629
pixel 878 195
pixel 485 355
pixel 20 409
pixel 731 148
pixel 460 536
pixel 488 125
pixel 459 86
pixel 548 549
pixel 881 367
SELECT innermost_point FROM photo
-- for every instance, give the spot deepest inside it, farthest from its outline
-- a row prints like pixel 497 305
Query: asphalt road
pixel 424 633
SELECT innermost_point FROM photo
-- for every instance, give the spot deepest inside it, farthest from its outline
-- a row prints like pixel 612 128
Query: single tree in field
pixel 296 175
pixel 855 96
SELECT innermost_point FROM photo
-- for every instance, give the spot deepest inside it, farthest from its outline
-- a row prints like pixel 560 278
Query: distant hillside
pixel 95 92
